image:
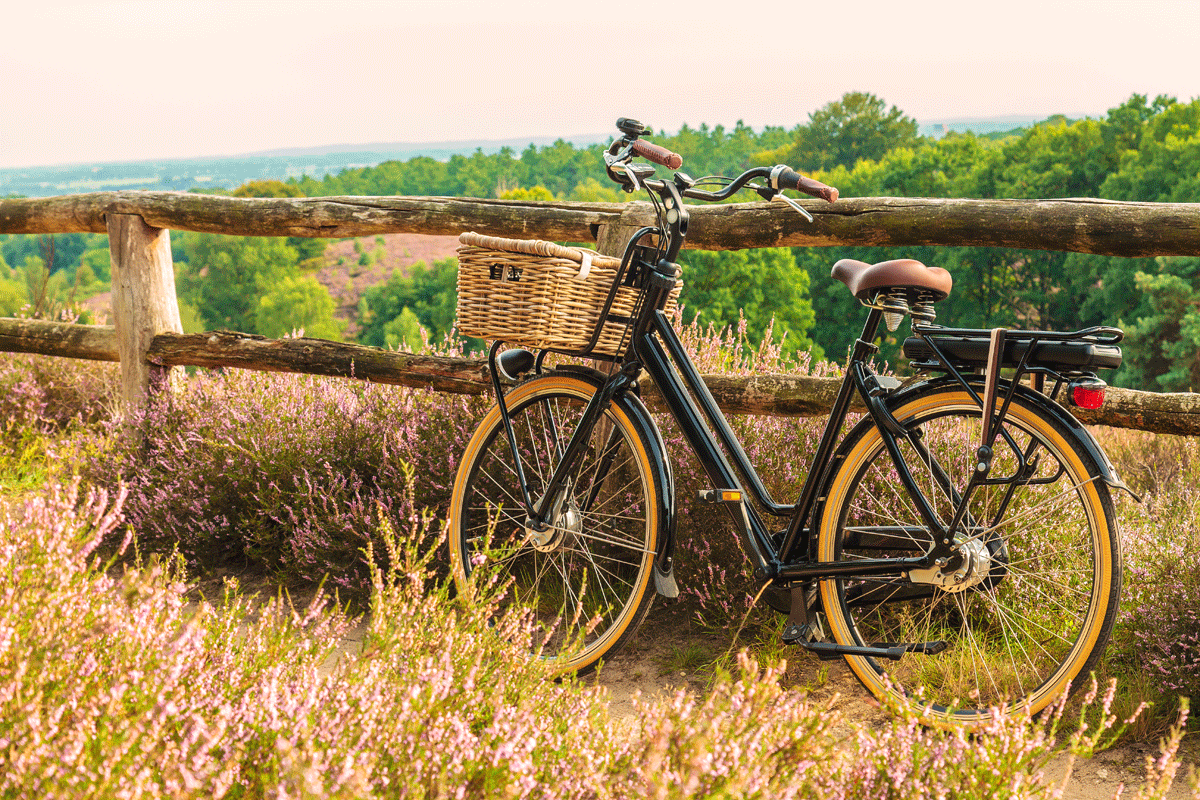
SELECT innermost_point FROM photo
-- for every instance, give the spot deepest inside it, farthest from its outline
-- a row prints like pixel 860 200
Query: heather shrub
pixel 119 685
pixel 51 394
pixel 1159 630
pixel 289 474
pixel 1163 619
pixel 42 398
pixel 1008 757
pixel 1155 649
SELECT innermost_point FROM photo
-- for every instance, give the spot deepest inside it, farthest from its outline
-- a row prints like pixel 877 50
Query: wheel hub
pixel 974 563
pixel 563 525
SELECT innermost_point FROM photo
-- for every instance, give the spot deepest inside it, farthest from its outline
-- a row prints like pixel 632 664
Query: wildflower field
pixel 119 679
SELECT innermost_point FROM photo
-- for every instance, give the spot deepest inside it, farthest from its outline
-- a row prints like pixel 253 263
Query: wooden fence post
pixel 144 302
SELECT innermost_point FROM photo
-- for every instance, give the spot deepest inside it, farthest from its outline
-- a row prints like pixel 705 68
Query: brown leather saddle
pixel 865 279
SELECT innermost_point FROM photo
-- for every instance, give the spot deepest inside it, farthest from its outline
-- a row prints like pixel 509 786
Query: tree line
pixel 1140 150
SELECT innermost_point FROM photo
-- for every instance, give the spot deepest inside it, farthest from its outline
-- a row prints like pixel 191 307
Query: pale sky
pixel 143 79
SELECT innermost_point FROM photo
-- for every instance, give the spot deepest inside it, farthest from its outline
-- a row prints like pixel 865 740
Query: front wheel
pixel 587 577
pixel 1027 605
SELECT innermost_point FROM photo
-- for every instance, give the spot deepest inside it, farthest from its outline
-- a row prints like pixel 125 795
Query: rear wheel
pixel 586 578
pixel 1026 605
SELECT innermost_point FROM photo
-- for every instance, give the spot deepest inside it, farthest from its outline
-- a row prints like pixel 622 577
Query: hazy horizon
pixel 111 81
pixel 465 145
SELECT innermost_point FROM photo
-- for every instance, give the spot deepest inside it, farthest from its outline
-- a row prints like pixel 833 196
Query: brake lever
pixel 635 185
pixel 799 208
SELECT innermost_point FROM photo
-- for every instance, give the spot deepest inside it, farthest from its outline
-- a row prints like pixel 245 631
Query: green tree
pixel 429 293
pixel 532 194
pixel 98 259
pixel 12 297
pixel 404 332
pixel 762 286
pixel 47 292
pixel 224 276
pixel 859 126
pixel 1163 349
pixel 12 291
pixel 593 191
pixel 298 302
pixel 267 189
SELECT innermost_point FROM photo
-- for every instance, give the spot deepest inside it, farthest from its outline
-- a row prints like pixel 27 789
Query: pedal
pixel 804 622
pixel 735 500
pixel 800 634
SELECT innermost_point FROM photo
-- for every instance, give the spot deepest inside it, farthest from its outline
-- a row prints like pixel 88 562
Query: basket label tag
pixel 586 267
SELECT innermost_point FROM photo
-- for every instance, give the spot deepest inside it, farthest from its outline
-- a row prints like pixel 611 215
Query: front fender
pixel 662 476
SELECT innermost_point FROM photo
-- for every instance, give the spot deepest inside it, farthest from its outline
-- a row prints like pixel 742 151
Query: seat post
pixel 865 345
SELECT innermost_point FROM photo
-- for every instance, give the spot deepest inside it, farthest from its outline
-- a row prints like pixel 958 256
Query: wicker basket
pixel 539 294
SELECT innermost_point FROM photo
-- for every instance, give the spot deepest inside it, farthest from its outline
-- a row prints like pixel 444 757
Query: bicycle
pixel 957 547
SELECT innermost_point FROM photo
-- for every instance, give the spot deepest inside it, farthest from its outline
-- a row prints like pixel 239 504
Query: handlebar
pixel 784 177
pixel 780 177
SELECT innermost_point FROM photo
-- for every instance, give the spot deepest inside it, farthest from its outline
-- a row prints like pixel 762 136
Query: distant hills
pixel 981 126
pixel 232 171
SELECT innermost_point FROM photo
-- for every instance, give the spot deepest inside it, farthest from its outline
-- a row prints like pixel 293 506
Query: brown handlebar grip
pixel 790 179
pixel 657 154
pixel 818 189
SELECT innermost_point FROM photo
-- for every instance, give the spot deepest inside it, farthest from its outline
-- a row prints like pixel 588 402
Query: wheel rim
pixel 1022 615
pixel 585 578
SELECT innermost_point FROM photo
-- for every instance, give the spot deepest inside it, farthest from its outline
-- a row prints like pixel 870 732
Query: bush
pixel 290 474
pixel 42 398
pixel 51 394
pixel 1162 619
pixel 117 686
pixel 1156 647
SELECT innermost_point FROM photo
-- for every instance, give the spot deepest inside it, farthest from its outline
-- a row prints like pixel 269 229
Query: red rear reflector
pixel 1089 397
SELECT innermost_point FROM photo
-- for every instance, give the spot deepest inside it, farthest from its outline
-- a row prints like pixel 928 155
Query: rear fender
pixel 1061 415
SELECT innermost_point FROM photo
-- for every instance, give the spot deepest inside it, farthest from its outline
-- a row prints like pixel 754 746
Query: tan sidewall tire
pixel 562 384
pixel 1103 543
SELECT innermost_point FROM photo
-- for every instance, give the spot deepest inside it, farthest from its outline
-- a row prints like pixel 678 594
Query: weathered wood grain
pixel 143 300
pixel 320 357
pixel 93 342
pixel 330 217
pixel 1078 225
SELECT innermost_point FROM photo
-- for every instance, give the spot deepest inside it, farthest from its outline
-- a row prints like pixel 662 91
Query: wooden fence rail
pixel 1102 227
pixel 147 337
pixel 774 395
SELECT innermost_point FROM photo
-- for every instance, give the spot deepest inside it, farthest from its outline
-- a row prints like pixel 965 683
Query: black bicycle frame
pixel 786 557
pixel 708 433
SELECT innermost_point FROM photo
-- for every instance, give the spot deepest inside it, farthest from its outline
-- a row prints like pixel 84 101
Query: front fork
pixel 539 512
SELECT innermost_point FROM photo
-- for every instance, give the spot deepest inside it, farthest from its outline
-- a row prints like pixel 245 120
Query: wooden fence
pixel 147 337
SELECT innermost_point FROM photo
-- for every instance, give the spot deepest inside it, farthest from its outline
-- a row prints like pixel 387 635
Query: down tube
pixel 688 415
